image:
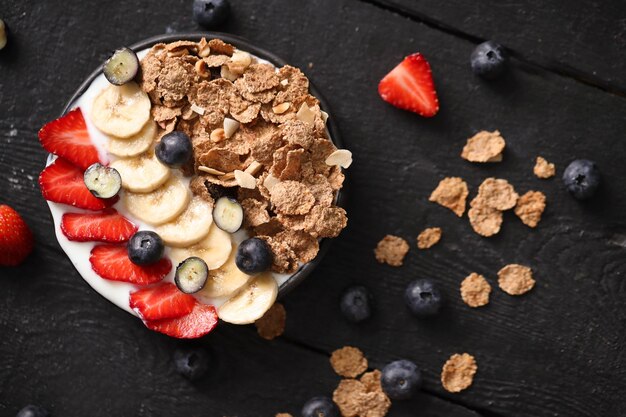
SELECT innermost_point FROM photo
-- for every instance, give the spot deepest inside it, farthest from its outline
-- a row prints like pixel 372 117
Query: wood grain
pixel 559 350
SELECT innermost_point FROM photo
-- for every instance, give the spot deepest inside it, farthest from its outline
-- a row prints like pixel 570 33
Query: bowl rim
pixel 241 43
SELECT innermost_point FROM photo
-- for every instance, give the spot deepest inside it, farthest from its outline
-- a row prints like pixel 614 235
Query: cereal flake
pixel 475 290
pixel 391 250
pixel 452 193
pixel 348 362
pixel 516 279
pixel 429 237
pixel 292 197
pixel 458 372
pixel 530 207
pixel 272 324
pixel 484 147
pixel 544 169
pixel 485 220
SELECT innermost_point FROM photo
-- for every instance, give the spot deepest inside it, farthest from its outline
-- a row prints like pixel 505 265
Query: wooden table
pixel 557 351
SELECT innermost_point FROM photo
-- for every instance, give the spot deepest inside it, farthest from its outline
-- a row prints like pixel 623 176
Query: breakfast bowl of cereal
pixel 194 178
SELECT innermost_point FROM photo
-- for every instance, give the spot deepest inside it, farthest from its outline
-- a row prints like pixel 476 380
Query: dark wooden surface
pixel 558 351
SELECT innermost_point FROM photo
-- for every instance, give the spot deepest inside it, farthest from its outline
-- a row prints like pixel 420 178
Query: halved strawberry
pixel 409 86
pixel 68 138
pixel 107 226
pixel 63 183
pixel 163 301
pixel 201 320
pixel 111 262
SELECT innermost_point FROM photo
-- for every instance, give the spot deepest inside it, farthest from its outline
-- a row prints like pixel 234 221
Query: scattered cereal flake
pixel 530 207
pixel 485 220
pixel 475 290
pixel 292 197
pixel 429 237
pixel 324 221
pixel 303 244
pixel 484 147
pixel 458 372
pixel 346 397
pixel 452 193
pixel 516 279
pixel 283 415
pixel 498 194
pixel 544 169
pixel 272 324
pixel 374 404
pixel 391 250
pixel 348 362
pixel 371 380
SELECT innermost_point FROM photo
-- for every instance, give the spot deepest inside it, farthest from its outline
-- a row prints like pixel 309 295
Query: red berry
pixel 201 320
pixel 410 86
pixel 112 262
pixel 162 301
pixel 16 239
pixel 106 226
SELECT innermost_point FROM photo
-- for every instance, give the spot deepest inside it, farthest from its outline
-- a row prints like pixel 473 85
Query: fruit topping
pixel 356 304
pixel 191 275
pixel 112 262
pixel 3 34
pixel 68 138
pixel 211 13
pixel 161 301
pixel 142 174
pixel 174 149
pixel 190 227
pixel 409 86
pixel 161 205
pixel 488 60
pixel 251 302
pixel 582 178
pixel 192 363
pixel 201 320
pixel 320 407
pixel 134 145
pixel 63 183
pixel 33 411
pixel 228 214
pixel 145 248
pixel 225 280
pixel 423 298
pixel 106 226
pixel 122 67
pixel 253 256
pixel 215 249
pixel 121 111
pixel 401 379
pixel 103 182
pixel 16 239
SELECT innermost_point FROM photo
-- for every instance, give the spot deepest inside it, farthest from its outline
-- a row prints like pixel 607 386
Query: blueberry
pixel 423 298
pixel 192 363
pixel 253 256
pixel 582 178
pixel 320 407
pixel 174 149
pixel 145 248
pixel 488 60
pixel 356 304
pixel 33 411
pixel 211 13
pixel 401 379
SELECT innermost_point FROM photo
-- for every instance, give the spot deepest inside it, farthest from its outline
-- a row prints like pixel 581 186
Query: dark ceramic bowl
pixel 243 44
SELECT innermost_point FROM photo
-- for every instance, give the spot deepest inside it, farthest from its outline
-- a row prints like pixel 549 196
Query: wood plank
pixel 584 42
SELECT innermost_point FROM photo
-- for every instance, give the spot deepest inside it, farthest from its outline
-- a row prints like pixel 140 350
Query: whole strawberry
pixel 16 239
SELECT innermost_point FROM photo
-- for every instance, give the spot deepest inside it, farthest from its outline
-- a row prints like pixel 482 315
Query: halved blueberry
pixel 145 247
pixel 122 67
pixel 191 275
pixel 103 182
pixel 228 214
pixel 253 256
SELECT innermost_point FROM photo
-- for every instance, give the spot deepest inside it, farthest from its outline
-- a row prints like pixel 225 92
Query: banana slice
pixel 251 302
pixel 161 205
pixel 190 227
pixel 226 280
pixel 213 249
pixel 134 145
pixel 142 174
pixel 121 110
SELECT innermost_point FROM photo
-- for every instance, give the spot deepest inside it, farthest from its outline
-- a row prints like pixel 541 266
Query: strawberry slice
pixel 63 183
pixel 68 138
pixel 409 86
pixel 107 226
pixel 163 301
pixel 201 320
pixel 111 262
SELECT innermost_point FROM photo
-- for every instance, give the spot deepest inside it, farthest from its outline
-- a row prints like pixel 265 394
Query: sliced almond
pixel 202 69
pixel 281 108
pixel 210 170
pixel 284 82
pixel 253 168
pixel 270 181
pixel 197 109
pixel 227 176
pixel 230 127
pixel 305 114
pixel 217 135
pixel 204 52
pixel 324 116
pixel 228 74
pixel 341 157
pixel 245 180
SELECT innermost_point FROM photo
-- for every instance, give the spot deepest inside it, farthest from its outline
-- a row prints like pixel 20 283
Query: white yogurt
pixel 78 252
